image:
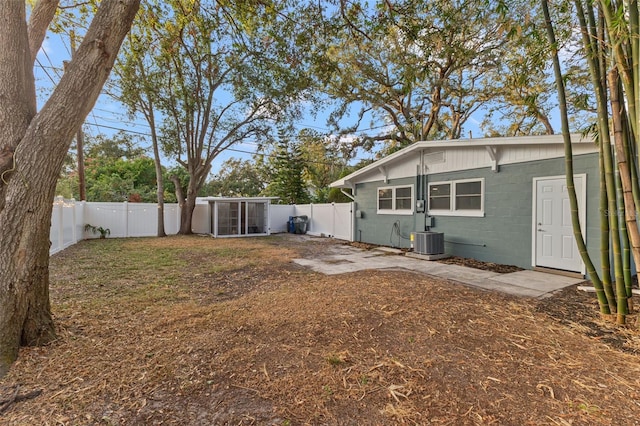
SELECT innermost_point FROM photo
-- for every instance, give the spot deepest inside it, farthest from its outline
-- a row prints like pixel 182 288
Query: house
pixel 501 200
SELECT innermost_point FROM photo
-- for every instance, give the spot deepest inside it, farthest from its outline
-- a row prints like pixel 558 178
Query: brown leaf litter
pixel 200 331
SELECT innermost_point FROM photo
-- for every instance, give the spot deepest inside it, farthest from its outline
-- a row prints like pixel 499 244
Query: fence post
pixel 352 222
pixel 333 219
pixel 80 218
pixel 60 206
pixel 179 213
pixel 74 231
pixel 126 218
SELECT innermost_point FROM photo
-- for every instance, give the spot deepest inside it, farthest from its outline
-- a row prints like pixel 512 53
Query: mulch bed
pixel 199 331
pixel 476 264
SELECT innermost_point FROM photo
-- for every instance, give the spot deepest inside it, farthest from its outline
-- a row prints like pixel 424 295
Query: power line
pixel 118 128
pixel 302 125
pixel 45 71
pixel 241 151
pixel 56 70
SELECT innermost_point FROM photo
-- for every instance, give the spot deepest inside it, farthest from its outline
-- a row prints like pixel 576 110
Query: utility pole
pixel 79 139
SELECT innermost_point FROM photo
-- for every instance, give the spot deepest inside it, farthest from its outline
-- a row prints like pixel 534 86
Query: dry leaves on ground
pixel 198 331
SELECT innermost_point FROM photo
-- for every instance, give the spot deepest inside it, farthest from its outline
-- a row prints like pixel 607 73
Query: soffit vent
pixel 434 157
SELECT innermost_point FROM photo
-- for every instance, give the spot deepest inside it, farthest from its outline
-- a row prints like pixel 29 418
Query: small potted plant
pixel 104 232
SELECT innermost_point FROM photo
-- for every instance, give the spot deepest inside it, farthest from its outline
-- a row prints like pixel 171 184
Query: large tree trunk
pixel 186 214
pixel 160 194
pixel 40 142
pixel 187 205
pixel 188 202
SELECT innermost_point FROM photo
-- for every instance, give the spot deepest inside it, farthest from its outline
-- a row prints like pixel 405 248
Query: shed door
pixel 555 246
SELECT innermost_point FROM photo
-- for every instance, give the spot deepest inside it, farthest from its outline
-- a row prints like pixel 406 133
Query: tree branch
pixel 39 20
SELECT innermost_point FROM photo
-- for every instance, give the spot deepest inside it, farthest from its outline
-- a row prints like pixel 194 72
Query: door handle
pixel 540 230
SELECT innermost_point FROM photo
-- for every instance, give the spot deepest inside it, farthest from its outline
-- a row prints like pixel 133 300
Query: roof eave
pixel 346 182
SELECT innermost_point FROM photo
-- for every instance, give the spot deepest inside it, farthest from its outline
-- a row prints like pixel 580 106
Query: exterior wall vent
pixel 437 157
pixel 429 243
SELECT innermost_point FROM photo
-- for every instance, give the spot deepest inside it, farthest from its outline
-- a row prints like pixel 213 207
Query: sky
pixel 108 116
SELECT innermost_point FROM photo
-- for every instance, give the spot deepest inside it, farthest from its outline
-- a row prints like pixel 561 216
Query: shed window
pixel 457 198
pixel 395 200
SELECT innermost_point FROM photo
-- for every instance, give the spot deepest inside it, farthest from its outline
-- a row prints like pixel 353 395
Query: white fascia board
pixel 238 198
pixel 557 139
pixel 374 167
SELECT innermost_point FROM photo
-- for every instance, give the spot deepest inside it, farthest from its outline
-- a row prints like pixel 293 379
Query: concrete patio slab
pixel 538 281
pixel 345 259
pixel 464 274
pixel 494 285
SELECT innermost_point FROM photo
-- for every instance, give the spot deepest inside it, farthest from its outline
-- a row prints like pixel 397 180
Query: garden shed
pixel 501 200
pixel 237 217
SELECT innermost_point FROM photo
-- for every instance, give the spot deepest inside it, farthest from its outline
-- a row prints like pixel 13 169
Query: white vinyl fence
pixel 66 224
pixel 69 218
pixel 131 219
pixel 328 220
pixel 279 216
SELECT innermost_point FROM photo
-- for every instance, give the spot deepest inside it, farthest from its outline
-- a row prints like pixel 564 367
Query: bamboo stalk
pixel 568 158
pixel 625 176
pixel 596 60
pixel 619 38
pixel 605 255
pixel 624 240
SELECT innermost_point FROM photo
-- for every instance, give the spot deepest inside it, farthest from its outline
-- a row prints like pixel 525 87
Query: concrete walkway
pixel 342 259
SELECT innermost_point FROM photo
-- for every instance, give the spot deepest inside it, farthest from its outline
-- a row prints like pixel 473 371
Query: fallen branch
pixel 5 404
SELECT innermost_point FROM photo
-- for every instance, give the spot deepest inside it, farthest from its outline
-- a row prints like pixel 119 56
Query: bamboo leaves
pixel 610 42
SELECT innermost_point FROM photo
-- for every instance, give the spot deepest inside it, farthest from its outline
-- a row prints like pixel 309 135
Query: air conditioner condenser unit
pixel 429 242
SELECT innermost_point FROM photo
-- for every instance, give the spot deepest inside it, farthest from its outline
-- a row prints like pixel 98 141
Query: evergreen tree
pixel 286 169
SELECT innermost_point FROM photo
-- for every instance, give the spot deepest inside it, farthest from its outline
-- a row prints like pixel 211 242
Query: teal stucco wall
pixel 504 234
pixel 376 228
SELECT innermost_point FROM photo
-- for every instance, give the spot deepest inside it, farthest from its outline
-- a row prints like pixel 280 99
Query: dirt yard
pixel 202 331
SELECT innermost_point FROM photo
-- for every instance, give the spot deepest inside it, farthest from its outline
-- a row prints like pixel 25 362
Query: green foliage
pixel 183 177
pixel 285 167
pixel 301 171
pixel 420 66
pixel 120 179
pixel 322 164
pixel 116 169
pixel 218 73
pixel 606 62
pixel 236 178
pixel 524 101
pixel 104 232
pixel 120 145
pixel 335 360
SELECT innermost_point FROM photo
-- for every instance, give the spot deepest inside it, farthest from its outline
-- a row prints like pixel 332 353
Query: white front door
pixel 555 246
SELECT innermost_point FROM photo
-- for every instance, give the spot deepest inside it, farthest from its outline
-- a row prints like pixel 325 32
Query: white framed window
pixel 463 197
pixel 395 200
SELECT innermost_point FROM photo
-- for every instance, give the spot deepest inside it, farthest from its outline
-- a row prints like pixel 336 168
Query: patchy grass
pixel 195 330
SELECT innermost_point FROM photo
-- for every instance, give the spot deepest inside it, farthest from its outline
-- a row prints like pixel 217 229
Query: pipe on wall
pixel 466 244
